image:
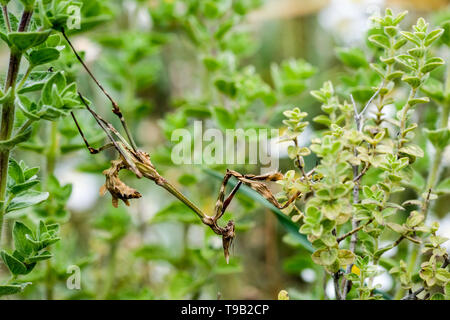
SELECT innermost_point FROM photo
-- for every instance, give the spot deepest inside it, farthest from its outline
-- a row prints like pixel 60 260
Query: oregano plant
pixel 34 95
pixel 343 217
pixel 346 215
pixel 356 191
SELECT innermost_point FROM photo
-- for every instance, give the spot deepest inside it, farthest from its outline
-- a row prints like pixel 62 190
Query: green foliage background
pixel 169 63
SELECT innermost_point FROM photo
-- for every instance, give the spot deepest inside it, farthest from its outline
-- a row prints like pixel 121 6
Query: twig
pixel 394 244
pixel 107 128
pixel 354 236
pixel 362 173
pixel 337 290
pixel 299 164
pixel 361 114
pixel 353 231
pixel 8 114
pixel 356 177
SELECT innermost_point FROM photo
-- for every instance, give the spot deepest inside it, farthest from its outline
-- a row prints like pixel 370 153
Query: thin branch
pixel 337 290
pixel 353 231
pixel 396 243
pixel 107 127
pixel 361 114
pixel 416 241
pixel 299 164
pixel 362 173
pixel 355 223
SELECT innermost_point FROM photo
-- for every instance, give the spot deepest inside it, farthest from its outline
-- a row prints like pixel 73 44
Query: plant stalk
pixel 8 112
pixel 433 175
pixel 52 154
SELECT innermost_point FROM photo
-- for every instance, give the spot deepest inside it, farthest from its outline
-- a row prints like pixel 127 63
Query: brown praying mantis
pixel 138 162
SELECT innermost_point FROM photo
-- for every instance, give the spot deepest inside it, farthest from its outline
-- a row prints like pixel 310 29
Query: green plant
pixel 364 181
pixel 354 146
pixel 348 215
pixel 30 99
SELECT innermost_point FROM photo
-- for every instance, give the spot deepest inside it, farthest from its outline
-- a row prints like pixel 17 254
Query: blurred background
pixel 161 62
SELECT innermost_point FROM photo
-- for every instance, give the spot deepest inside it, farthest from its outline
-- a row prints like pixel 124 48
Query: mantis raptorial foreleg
pixel 116 109
pixel 88 146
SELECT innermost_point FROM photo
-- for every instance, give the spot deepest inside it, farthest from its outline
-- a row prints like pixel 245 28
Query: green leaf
pixel 31 172
pixel 414 219
pixel 28 4
pixel 440 138
pixel 15 171
pixel 322 119
pixel 352 57
pixel 12 19
pixel 431 66
pixel 197 112
pixel 155 252
pixel 21 242
pixel 14 141
pixel 15 266
pixel 443 187
pixel 226 86
pixel 412 149
pixel 26 40
pixel 224 118
pixel 411 37
pixel 443 275
pixel 407 61
pixel 400 43
pixel 43 56
pixel 413 81
pixel 415 101
pixel 447 290
pixel 224 28
pixel 5 97
pixel 346 257
pixel 434 89
pixel 22 187
pixel 380 40
pixel 45 255
pixel 26 200
pixel 325 257
pixel 10 289
pixel 35 81
pixel 58 82
pixel 396 227
pixel 433 36
pixel 437 296
pixel 211 63
pixel 394 75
